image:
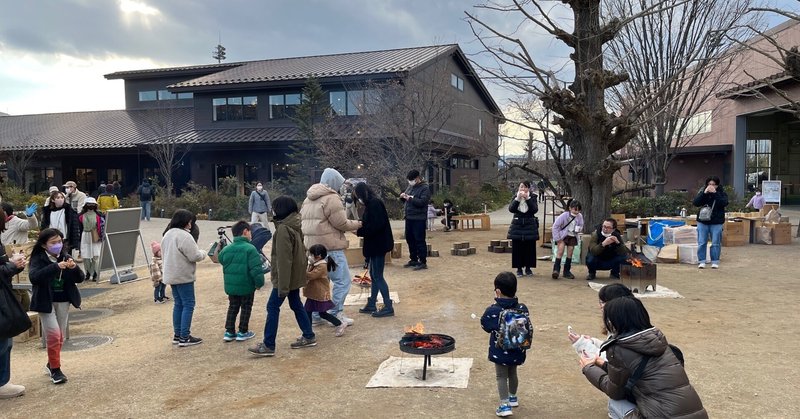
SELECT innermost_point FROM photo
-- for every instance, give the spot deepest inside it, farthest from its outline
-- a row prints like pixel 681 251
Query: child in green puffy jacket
pixel 243 275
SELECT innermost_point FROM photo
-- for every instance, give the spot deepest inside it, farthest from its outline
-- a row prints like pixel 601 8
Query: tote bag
pixel 13 319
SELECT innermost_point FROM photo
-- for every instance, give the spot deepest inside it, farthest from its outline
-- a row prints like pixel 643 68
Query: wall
pixel 690 171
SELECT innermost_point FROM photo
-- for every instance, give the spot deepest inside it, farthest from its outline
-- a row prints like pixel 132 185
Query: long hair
pixel 625 316
pixel 52 204
pixel 612 291
pixel 282 206
pixel 320 251
pixel 179 219
pixel 364 192
pixel 45 236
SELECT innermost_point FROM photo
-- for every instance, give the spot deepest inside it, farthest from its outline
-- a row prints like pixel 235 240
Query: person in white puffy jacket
pixel 16 231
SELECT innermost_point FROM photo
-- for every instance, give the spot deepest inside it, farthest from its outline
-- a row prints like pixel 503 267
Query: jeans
pixel 595 263
pixel 703 230
pixel 617 409
pixel 182 311
pixel 158 291
pixel 378 281
pixel 146 210
pixel 5 360
pixel 341 280
pixel 54 329
pixel 274 312
pixel 415 237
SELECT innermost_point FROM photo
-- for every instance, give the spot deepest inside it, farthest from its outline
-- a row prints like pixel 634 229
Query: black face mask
pixel 91 208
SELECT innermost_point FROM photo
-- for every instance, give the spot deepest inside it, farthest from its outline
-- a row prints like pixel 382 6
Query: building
pixel 235 120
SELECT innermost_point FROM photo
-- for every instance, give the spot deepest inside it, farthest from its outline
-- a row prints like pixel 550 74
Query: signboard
pixel 119 244
pixel 771 189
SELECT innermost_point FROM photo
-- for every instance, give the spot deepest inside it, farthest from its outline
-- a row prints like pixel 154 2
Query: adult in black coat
pixel 713 196
pixel 60 215
pixel 8 269
pixel 524 229
pixel 378 239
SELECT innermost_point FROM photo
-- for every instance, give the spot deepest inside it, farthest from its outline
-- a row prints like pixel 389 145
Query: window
pixel 166 95
pixel 699 123
pixel 86 179
pixel 114 175
pixel 234 108
pixel 188 95
pixel 151 95
pixel 457 82
pixel 480 127
pixel 339 103
pixel 462 163
pixel 147 95
pixel 354 102
pixel 284 106
pixel 758 162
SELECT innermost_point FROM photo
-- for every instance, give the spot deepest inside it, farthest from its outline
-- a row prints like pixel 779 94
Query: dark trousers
pixel 235 303
pixel 273 315
pixel 379 284
pixel 159 291
pixel 415 237
pixel 326 316
pixel 594 263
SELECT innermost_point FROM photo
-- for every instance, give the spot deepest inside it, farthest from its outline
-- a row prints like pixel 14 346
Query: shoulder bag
pixel 705 212
pixel 13 319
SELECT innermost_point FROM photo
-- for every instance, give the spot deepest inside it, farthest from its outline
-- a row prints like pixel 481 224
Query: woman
pixel 58 214
pixel 259 205
pixel 16 229
pixel 377 234
pixel 662 389
pixel 524 229
pixel 587 343
pixel 53 275
pixel 713 196
pixel 92 227
pixel 8 268
pixel 180 256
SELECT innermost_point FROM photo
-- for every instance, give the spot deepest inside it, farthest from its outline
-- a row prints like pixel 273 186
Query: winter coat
pixel 718 199
pixel 562 224
pixel 77 200
pixel 107 201
pixel 241 267
pixel 375 229
pixel 7 268
pixel 180 255
pixel 16 231
pixel 74 227
pixel 43 272
pixel 148 194
pixel 663 391
pixel 324 219
pixel 607 252
pixel 524 225
pixel 318 286
pixel 289 259
pixel 490 322
pixel 416 208
pixel 259 202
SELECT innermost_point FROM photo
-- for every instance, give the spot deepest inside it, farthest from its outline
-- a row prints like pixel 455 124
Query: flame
pixel 418 328
pixel 636 263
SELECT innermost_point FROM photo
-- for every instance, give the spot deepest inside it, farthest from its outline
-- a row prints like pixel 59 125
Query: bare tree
pixel 20 158
pixel 163 126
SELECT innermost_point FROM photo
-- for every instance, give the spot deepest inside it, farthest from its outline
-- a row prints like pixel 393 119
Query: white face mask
pixel 606 235
pixel 259 188
pixel 412 182
pixel 758 193
pixel 311 259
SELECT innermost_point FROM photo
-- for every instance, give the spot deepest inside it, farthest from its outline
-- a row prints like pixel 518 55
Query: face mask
pixel 59 202
pixel 259 188
pixel 55 249
pixel 68 190
pixel 606 235
pixel 311 259
pixel 758 193
pixel 412 182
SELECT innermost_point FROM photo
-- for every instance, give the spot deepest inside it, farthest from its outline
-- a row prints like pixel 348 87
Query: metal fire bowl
pixel 409 338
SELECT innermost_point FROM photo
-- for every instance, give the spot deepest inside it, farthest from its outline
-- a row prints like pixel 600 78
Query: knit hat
pixel 156 248
pixel 332 179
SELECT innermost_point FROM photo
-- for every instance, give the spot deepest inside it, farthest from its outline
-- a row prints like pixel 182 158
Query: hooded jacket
pixel 324 218
pixel 490 322
pixel 241 267
pixel 289 261
pixel 663 391
pixel 318 286
pixel 42 273
pixel 718 199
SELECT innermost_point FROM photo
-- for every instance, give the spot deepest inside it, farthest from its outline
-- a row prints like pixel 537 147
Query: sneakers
pixel 339 331
pixel 411 264
pixel 229 337
pixel 344 319
pixel 157 301
pixel 528 272
pixel 241 337
pixel 519 272
pixel 715 266
pixel 304 343
pixel 9 391
pixel 421 266
pixel 176 339
pixel 702 265
pixel 513 401
pixel 189 341
pixel 503 410
pixel 57 376
pixel 261 350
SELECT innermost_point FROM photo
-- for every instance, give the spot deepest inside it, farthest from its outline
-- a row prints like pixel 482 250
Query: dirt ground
pixel 733 326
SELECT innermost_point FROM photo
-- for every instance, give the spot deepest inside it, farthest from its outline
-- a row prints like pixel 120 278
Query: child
pixel 432 213
pixel 156 269
pixel 91 237
pixel 289 265
pixel 318 288
pixel 565 233
pixel 506 361
pixel 243 275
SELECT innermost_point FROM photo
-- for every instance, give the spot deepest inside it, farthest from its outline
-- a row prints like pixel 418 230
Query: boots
pixel 557 268
pixel 567 265
pixel 370 307
pixel 386 311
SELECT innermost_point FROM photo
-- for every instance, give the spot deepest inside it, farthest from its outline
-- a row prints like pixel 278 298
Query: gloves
pixel 31 209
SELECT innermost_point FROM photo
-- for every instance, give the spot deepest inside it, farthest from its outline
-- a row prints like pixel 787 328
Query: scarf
pixel 523 206
pixel 89 221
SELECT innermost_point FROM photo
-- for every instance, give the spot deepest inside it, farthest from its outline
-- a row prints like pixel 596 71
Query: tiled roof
pixel 320 66
pixel 98 129
pixel 236 135
pixel 755 85
pixel 203 68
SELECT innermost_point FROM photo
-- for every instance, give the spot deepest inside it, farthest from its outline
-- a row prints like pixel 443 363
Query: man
pixel 146 193
pixel 416 198
pixel 324 222
pixel 76 198
pixel 259 206
pixel 606 250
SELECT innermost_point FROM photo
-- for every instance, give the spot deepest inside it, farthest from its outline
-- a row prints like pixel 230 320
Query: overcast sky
pixel 54 53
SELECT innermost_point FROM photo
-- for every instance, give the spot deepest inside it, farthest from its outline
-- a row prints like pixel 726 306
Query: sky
pixel 54 53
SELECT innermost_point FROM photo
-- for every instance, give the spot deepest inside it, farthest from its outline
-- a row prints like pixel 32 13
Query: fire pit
pixel 426 344
pixel 640 274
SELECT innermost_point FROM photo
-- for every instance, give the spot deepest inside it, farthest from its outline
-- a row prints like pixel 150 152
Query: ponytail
pixel 331 264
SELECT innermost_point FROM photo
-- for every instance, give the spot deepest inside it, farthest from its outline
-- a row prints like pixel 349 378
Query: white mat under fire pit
pixel 360 299
pixel 660 292
pixel 406 371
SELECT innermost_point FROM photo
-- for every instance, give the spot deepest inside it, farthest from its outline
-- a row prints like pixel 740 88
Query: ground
pixel 733 326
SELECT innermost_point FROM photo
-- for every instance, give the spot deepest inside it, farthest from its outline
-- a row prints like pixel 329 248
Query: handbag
pixel 95 236
pixel 216 247
pixel 13 319
pixel 705 212
pixel 266 267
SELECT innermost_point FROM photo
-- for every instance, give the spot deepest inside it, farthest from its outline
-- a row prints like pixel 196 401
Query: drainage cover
pixel 80 343
pixel 84 316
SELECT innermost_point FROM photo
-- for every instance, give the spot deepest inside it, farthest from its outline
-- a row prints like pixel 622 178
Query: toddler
pixel 432 214
pixel 156 274
pixel 318 289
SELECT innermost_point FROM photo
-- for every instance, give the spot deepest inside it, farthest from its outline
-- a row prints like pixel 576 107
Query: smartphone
pixel 569 330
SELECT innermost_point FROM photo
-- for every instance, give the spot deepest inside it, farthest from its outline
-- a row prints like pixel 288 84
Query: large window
pixel 147 95
pixel 234 108
pixel 699 123
pixel 758 162
pixel 284 106
pixel 354 102
pixel 152 95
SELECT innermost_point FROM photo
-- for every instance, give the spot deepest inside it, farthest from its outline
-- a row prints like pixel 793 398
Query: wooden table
pixel 467 221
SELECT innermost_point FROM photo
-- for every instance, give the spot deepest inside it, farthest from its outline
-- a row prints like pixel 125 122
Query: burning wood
pixel 431 341
pixel 635 262
pixel 419 328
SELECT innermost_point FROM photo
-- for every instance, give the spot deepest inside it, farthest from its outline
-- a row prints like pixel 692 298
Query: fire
pixel 418 328
pixel 635 262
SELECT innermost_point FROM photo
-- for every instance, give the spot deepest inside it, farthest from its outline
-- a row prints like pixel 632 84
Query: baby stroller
pixel 259 236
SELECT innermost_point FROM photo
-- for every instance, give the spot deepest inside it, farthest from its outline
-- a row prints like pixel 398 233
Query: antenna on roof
pixel 219 52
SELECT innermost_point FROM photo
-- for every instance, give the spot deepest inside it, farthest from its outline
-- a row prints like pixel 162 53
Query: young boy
pixel 505 360
pixel 243 275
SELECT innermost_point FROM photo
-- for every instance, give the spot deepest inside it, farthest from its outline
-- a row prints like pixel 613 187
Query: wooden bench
pixel 467 221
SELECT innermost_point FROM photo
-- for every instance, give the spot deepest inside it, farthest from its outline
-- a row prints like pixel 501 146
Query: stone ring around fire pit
pixel 427 344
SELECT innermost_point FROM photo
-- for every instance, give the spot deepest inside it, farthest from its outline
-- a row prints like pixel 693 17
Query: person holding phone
pixel 714 197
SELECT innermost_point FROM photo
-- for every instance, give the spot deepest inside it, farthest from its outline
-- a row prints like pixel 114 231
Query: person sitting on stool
pixel 606 250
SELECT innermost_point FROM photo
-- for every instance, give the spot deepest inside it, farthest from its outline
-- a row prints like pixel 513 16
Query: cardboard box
pixel 734 234
pixel 687 253
pixel 668 254
pixel 680 235
pixel 781 233
pixel 33 333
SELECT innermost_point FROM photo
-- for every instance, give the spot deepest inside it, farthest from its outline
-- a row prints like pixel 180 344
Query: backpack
pixel 145 193
pixel 515 330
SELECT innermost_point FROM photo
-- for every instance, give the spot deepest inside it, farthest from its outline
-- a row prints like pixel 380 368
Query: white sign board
pixel 771 189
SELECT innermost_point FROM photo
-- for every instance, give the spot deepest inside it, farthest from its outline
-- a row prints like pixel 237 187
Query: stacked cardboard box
pixel 680 235
pixel 734 234
pixel 773 233
pixel 33 333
